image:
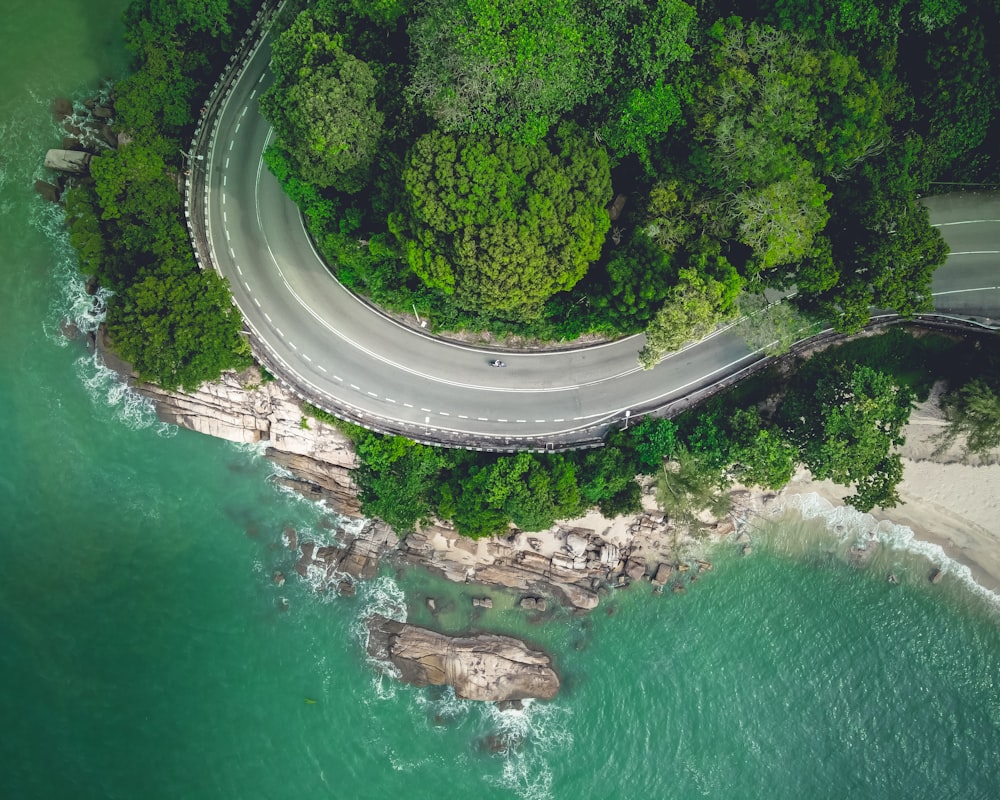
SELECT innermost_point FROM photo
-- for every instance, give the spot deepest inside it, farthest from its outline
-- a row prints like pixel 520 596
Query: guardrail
pixel 196 211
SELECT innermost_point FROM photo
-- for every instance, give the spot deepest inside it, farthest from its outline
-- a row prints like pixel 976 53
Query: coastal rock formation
pixel 485 667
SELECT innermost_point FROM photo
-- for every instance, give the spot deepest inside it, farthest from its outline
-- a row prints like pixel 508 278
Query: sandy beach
pixel 947 499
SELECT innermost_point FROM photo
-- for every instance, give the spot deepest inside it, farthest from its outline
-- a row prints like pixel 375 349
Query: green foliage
pixel 772 328
pixel 759 454
pixel 503 225
pixel 322 107
pixel 82 216
pixel 972 412
pixel 689 486
pixel 882 243
pixel 509 69
pixel 643 121
pixel 846 425
pixel 703 297
pixel 177 326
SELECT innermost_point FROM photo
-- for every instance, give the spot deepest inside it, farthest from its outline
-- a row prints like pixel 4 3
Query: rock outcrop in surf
pixel 488 667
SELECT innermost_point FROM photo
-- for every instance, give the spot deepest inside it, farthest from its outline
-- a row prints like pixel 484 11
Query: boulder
pixel 485 667
pixel 61 108
pixel 635 568
pixel 533 603
pixel 68 161
pixel 48 191
pixel 576 544
pixel 663 573
pixel 482 602
pixel 935 576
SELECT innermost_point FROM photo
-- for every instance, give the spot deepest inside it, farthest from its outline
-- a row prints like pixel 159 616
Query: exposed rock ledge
pixel 486 667
pixel 569 565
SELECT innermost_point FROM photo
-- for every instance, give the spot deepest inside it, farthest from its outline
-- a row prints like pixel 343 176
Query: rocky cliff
pixel 486 667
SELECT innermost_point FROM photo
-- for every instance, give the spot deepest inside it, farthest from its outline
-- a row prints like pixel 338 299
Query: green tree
pixel 846 424
pixel 322 107
pixel 689 486
pixel 503 225
pixel 510 68
pixel 972 412
pixel 702 298
pixel 760 454
pixel 177 326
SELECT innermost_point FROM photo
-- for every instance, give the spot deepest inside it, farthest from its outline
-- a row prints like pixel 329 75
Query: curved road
pixel 331 345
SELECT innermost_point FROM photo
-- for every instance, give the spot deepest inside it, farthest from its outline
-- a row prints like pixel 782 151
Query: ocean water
pixel 146 652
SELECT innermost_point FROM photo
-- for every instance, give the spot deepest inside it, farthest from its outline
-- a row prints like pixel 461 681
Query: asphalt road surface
pixel 333 346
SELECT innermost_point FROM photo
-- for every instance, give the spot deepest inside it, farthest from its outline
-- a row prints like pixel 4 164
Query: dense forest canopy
pixel 784 146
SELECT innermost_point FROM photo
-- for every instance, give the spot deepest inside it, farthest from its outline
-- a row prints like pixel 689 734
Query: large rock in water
pixel 483 667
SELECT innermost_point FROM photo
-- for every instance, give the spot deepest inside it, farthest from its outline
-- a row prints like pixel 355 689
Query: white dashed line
pixel 224 179
pixel 237 128
pixel 482 419
pixel 444 413
pixel 239 269
pixel 539 420
pixel 356 388
pixel 408 405
pixel 577 419
pixel 223 198
pixel 248 287
pixel 501 420
pixel 227 162
pixel 427 410
pixel 558 420
pixel 257 302
pixel 225 217
pixel 231 144
pixel 280 333
pixel 227 234
pixel 232 254
pixel 268 318
pixel 292 345
pixel 320 366
pixel 372 394
pixel 521 420
pixel 253 94
pixel 389 400
pixel 462 416
pixel 307 358
pixel 338 378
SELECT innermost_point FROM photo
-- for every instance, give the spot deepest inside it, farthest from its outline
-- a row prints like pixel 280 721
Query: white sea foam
pixel 533 736
pixel 383 597
pixel 856 526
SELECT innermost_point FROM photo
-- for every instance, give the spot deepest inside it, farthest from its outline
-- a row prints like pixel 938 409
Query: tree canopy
pixel 322 107
pixel 503 225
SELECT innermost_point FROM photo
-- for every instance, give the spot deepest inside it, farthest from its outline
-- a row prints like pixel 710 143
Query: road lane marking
pixel 280 333
pixel 232 254
pixel 462 416
pixel 307 358
pixel 223 198
pixel 975 253
pixel 257 302
pixel 482 419
pixel 408 405
pixel 239 269
pixel 231 145
pixel 521 420
pixel 501 420
pixel 227 235
pixel 225 218
pixel 292 345
pixel 237 128
pixel 248 287
pixel 444 413
pixel 356 388
pixel 539 420
pixel 224 179
pixel 227 162
pixel 320 366
pixel 338 378
pixel 268 318
pixel 389 400
pixel 253 94
pixel 963 291
pixel 963 222
pixel 372 394
pixel 559 420
pixel 426 410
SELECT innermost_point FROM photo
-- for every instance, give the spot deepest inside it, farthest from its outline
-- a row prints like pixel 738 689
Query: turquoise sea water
pixel 146 653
